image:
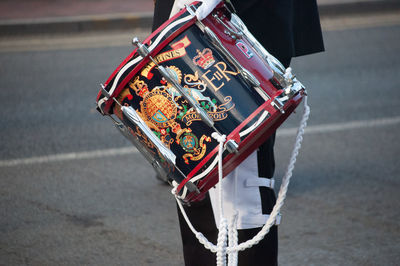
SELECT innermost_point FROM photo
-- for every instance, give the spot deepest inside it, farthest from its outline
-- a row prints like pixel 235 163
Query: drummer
pixel 286 28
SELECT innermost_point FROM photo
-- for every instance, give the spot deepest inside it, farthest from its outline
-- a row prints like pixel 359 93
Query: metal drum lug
pixel 278 105
pixel 192 187
pixel 232 146
pixel 233 33
pixel 142 49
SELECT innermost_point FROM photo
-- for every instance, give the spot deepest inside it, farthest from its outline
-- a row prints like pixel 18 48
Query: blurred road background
pixel 74 192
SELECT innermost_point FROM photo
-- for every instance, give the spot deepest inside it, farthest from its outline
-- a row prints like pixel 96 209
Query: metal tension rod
pixel 133 116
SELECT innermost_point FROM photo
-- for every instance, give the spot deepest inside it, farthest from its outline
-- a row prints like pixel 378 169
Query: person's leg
pixel 265 253
pixel 202 218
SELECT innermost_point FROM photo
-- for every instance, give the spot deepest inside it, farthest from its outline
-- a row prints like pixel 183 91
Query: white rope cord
pixel 223 224
pixel 234 248
pixel 221 242
pixel 232 226
pixel 202 239
pixel 233 240
pixel 221 139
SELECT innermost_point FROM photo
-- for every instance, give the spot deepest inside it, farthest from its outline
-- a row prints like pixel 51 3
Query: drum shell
pixel 244 105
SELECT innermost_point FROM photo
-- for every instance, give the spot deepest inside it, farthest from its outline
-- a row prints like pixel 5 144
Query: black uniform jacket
pixel 286 28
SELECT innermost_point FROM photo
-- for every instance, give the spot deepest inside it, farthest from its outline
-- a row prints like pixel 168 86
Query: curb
pixel 124 21
pixel 118 21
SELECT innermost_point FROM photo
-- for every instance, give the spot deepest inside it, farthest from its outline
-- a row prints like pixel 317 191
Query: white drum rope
pixel 221 249
pixel 223 224
pixel 233 240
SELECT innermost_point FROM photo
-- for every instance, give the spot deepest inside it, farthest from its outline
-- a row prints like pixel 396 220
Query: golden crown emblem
pixel 140 87
pixel 204 59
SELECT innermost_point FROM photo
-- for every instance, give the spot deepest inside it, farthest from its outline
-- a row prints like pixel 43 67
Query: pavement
pixel 65 16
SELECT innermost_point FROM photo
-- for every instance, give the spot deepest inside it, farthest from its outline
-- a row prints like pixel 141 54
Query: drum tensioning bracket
pixel 278 104
pixel 235 34
pixel 133 117
pixel 232 146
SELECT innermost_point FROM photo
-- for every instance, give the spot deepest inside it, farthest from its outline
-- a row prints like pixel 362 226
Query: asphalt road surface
pixel 74 192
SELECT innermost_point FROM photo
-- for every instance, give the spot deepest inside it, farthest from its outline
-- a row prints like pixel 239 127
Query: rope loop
pixel 218 137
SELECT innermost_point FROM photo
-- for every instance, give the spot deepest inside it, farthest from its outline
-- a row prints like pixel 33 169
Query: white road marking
pixel 69 156
pixel 285 132
pixel 334 127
